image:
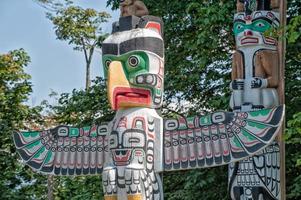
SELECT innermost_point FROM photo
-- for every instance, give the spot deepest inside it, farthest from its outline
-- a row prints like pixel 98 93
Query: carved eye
pixel 260 24
pixel 113 140
pixel 239 27
pixel 134 140
pixel 133 61
pixel 107 63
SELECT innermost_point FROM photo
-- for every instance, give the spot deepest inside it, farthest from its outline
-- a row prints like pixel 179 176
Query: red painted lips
pixel 131 97
pixel 250 40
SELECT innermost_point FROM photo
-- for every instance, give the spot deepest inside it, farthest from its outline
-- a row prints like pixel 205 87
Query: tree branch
pixel 84 48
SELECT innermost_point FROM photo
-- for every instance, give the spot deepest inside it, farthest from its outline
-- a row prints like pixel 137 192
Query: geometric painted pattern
pixel 219 138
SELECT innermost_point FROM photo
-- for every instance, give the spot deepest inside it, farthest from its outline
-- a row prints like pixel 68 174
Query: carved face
pixel 128 141
pixel 250 30
pixel 134 66
pixel 128 146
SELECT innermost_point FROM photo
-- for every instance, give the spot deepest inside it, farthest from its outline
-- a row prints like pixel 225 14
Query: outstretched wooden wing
pixel 219 138
pixel 64 150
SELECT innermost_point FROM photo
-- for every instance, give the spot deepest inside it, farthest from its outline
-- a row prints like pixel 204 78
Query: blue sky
pixel 54 64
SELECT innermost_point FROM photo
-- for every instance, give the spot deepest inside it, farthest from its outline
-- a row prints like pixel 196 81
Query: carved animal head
pixel 126 2
pixel 128 147
pixel 134 66
pixel 128 142
pixel 252 29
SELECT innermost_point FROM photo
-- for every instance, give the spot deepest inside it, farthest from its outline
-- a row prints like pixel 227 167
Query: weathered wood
pixel 281 91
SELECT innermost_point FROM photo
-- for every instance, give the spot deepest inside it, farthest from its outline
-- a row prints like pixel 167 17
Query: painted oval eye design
pixel 133 61
pixel 113 140
pixel 260 25
pixel 134 140
pixel 107 63
pixel 239 27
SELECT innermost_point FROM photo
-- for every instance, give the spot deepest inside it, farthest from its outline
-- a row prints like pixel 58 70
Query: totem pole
pixel 131 150
pixel 256 79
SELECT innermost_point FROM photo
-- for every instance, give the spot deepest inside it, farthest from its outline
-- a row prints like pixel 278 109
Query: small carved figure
pixel 133 7
pixel 252 5
pixel 255 70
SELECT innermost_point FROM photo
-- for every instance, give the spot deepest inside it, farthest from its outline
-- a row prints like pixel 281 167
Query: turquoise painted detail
pixel 39 152
pixel 32 145
pixel 248 135
pixel 259 25
pixel 205 120
pixel 87 128
pixel 256 125
pixel 260 112
pixel 93 133
pixel 48 156
pixel 237 143
pixel 190 120
pixel 73 132
pixel 31 134
pixel 130 72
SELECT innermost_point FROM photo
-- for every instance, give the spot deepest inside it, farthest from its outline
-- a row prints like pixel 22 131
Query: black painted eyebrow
pixel 263 18
pixel 110 48
pixel 152 44
pixel 240 20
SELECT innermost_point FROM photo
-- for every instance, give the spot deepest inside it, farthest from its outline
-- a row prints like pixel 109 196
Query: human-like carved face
pixel 128 145
pixel 134 66
pixel 250 30
pixel 128 141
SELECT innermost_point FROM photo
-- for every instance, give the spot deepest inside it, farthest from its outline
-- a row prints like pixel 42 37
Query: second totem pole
pixel 257 83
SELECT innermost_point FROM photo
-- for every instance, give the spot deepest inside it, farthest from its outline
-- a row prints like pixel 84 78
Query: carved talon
pixel 237 84
pixel 109 181
pixel 258 83
pixel 133 181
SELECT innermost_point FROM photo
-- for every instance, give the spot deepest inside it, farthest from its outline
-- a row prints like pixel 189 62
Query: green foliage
pixel 82 108
pixel 16 180
pixel 293 157
pixel 80 27
pixel 14 88
pixel 78 188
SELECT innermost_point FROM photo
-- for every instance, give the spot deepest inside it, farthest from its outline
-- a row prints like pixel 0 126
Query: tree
pixel 16 180
pixel 80 27
pixel 83 108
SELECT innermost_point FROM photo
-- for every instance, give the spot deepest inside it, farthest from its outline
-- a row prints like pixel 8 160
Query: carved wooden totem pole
pixel 137 145
pixel 257 84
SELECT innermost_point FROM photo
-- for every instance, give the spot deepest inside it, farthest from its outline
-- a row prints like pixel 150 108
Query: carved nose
pixel 248 33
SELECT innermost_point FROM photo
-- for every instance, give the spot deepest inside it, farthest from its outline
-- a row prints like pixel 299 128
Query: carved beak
pixel 116 78
pixel 121 94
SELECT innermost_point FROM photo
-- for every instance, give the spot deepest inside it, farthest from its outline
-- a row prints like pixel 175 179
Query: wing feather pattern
pixel 64 150
pixel 218 138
